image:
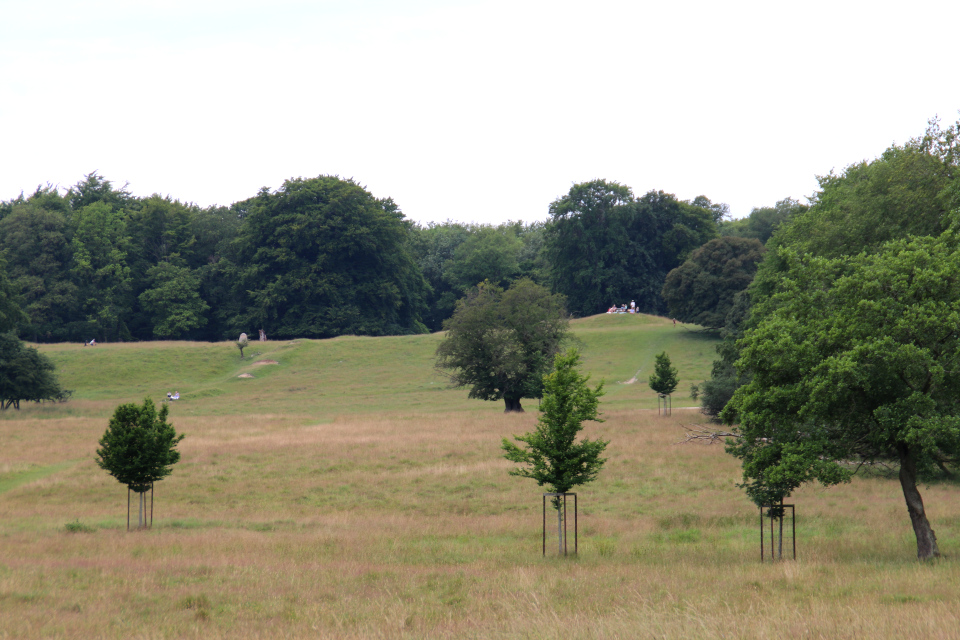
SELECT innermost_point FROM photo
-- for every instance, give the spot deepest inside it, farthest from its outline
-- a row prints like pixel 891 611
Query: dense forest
pixel 322 257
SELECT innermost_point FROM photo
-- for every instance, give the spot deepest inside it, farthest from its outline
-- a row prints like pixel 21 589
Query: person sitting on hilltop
pixel 175 396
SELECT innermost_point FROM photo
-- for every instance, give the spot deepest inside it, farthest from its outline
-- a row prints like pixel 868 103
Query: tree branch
pixel 705 435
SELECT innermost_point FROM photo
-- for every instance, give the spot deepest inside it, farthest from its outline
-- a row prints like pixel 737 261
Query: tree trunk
pixel 140 511
pixel 559 530
pixel 780 538
pixel 513 405
pixel 926 539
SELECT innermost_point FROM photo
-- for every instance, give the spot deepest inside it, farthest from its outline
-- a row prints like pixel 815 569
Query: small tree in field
pixel 242 344
pixel 139 448
pixel 664 379
pixel 551 453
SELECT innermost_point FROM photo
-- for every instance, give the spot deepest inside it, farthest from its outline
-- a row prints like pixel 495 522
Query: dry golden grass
pixel 386 525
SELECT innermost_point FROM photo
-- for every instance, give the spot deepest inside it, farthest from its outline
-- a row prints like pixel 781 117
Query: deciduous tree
pixel 854 360
pixel 26 375
pixel 139 448
pixel 501 343
pixel 551 454
pixel 702 290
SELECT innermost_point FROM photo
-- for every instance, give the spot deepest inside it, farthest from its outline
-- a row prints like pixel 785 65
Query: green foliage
pixel 854 358
pixel 490 253
pixel 139 446
pixel 11 315
pixel 607 247
pixel 100 270
pixel 664 379
pixel 551 454
pixel 78 527
pixel 26 374
pixel 173 300
pixel 322 257
pixel 500 342
pixel 703 289
pixel 762 222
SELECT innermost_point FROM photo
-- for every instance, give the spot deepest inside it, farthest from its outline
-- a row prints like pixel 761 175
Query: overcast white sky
pixel 478 111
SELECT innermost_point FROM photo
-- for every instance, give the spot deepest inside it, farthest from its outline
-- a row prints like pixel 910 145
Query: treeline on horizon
pixel 322 257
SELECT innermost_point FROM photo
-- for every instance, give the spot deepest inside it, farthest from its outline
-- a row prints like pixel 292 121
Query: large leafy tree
pixel 490 253
pixel 173 300
pixel 26 375
pixel 605 246
pixel 322 257
pixel 703 289
pixel 501 343
pixel 909 189
pixel 854 360
pixel 100 268
pixel 37 245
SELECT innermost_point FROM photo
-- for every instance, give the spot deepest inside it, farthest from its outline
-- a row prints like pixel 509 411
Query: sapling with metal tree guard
pixel 664 381
pixel 139 448
pixel 551 454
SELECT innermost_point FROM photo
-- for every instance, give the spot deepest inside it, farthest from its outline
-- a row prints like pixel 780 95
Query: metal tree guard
pixel 667 404
pixel 149 526
pixel 793 528
pixel 564 511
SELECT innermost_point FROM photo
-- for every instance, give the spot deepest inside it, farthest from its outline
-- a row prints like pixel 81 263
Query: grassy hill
pixel 347 492
pixel 351 374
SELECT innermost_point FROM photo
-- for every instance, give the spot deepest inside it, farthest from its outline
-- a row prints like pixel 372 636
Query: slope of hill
pixel 359 374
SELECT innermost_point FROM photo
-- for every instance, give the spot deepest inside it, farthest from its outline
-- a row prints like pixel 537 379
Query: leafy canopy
pixel 704 288
pixel 551 454
pixel 853 359
pixel 664 379
pixel 500 343
pixel 25 374
pixel 139 445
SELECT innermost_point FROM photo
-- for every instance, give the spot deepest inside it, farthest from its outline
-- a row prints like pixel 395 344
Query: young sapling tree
pixel 664 378
pixel 242 344
pixel 139 448
pixel 551 454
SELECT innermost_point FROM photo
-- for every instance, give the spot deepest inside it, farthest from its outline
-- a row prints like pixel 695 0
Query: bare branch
pixel 705 435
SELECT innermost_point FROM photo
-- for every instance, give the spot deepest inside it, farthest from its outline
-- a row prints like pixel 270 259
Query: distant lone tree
pixel 501 343
pixel 139 448
pixel 664 379
pixel 242 344
pixel 551 454
pixel 26 374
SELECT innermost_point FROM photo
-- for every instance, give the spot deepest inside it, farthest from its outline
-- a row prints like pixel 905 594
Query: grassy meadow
pixel 347 492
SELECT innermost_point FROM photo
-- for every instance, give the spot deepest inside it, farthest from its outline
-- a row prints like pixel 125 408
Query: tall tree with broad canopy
pixel 607 247
pixel 854 360
pixel 909 190
pixel 322 257
pixel 501 343
pixel 702 290
pixel 551 454
pixel 173 299
pixel 139 448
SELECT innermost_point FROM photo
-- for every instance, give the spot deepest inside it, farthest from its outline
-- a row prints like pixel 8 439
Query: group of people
pixel 623 308
pixel 173 396
pixel 92 343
